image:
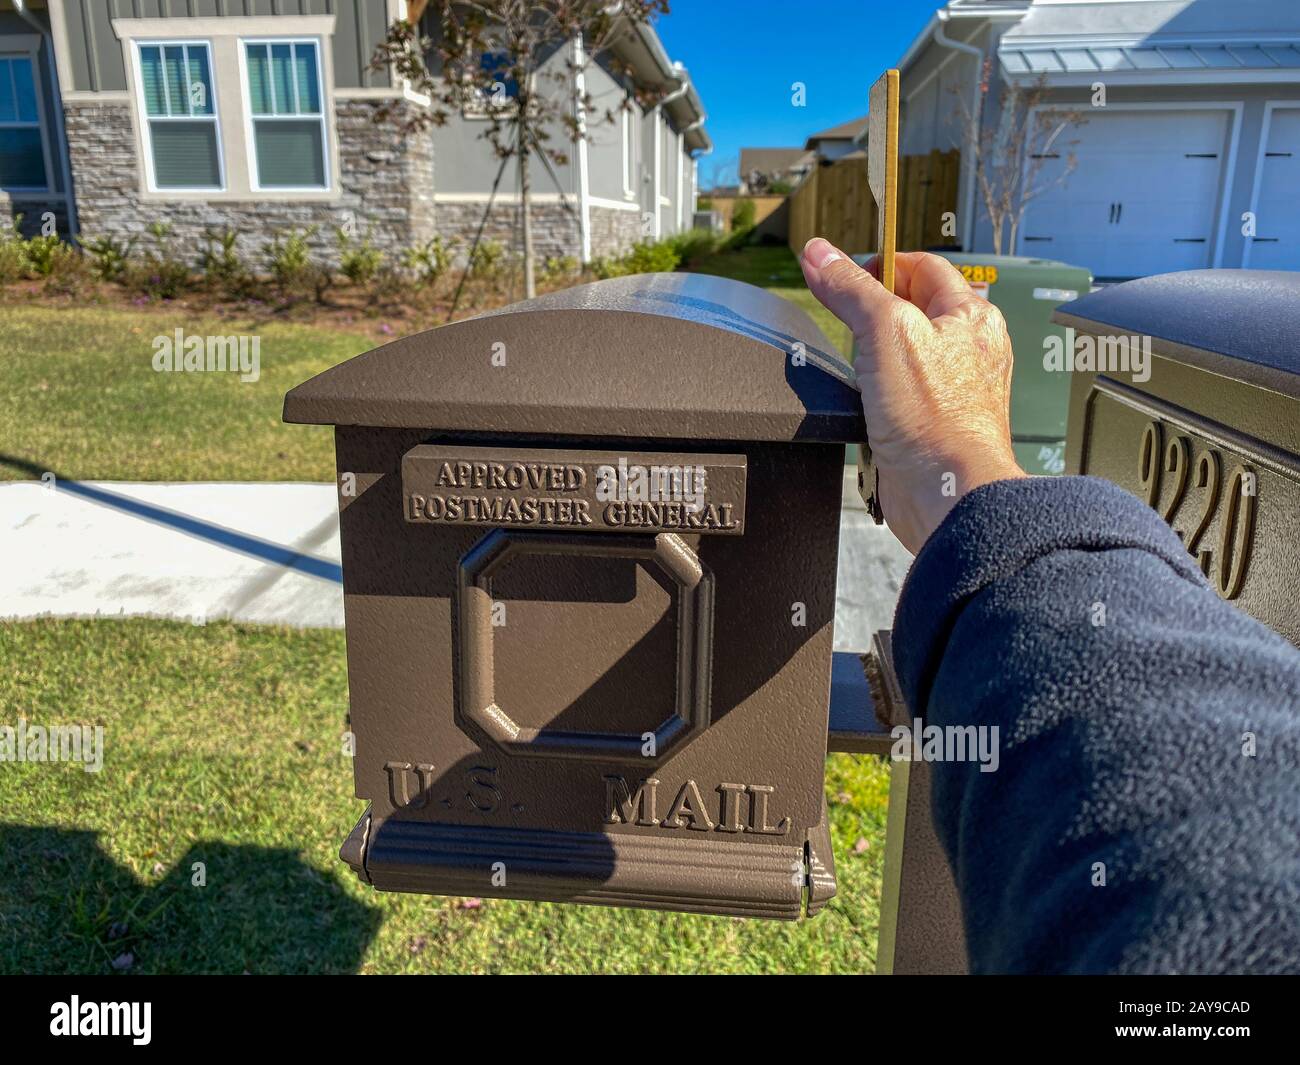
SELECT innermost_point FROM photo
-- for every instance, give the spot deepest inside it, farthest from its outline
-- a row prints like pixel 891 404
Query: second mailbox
pixel 589 558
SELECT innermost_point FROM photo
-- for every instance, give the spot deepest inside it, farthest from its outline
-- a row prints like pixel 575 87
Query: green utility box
pixel 1027 291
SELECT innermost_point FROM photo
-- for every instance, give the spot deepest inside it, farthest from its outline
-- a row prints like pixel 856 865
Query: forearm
pixel 1143 814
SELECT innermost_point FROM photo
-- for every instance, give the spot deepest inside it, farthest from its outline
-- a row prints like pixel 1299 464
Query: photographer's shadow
pixel 67 907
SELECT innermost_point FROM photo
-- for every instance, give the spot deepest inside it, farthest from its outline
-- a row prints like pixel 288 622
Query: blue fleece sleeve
pixel 1144 814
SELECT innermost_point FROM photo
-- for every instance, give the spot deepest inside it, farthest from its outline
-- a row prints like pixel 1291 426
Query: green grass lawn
pixel 773 266
pixel 79 396
pixel 223 746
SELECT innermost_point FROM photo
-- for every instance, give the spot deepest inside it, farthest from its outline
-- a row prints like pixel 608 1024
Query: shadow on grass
pixel 68 907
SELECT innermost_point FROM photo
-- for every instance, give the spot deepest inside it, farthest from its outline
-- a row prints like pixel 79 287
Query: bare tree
pixel 1010 151
pixel 493 57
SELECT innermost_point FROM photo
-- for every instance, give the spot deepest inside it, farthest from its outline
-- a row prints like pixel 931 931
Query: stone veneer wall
pixel 614 232
pixel 386 185
pixel 555 228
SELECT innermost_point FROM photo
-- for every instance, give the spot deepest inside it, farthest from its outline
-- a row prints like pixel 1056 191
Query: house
pixel 1189 152
pixel 633 179
pixel 259 115
pixel 838 141
pixel 760 168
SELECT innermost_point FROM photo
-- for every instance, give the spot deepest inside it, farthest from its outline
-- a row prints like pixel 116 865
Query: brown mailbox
pixel 589 559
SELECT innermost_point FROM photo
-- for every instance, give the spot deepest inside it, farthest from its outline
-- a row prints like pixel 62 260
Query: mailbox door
pixel 1218 459
pixel 634 716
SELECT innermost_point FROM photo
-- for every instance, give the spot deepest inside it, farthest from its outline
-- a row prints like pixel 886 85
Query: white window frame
pixel 32 57
pixel 146 119
pixel 250 132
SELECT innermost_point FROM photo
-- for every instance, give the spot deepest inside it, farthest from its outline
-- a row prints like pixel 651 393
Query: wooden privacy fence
pixel 835 202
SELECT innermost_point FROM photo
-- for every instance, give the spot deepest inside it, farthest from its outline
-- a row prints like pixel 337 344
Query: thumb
pixel 849 292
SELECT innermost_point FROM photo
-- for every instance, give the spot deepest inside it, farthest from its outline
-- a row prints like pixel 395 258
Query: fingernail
pixel 818 252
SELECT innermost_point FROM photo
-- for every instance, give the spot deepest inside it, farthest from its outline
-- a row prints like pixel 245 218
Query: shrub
pixel 47 253
pixel 290 263
pixel 14 265
pixel 108 257
pixel 652 257
pixel 704 204
pixel 488 260
pixel 693 244
pixel 606 266
pixel 428 261
pixel 223 269
pixel 389 286
pixel 160 273
pixel 647 257
pixel 743 215
pixel 559 266
pixel 70 273
pixel 359 260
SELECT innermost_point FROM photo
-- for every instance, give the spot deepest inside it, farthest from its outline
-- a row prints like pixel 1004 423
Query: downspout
pixel 61 135
pixel 944 41
pixel 584 178
pixel 695 167
pixel 682 85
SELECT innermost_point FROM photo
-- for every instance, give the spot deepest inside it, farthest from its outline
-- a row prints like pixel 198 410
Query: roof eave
pixel 1087 78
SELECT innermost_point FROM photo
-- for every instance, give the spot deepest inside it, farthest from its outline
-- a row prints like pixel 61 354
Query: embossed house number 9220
pixel 1202 478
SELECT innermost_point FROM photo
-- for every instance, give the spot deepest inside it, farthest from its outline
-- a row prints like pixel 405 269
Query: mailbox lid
pixel 668 356
pixel 1241 324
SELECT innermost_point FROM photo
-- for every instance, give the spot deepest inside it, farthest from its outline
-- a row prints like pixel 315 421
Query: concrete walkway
pixel 269 553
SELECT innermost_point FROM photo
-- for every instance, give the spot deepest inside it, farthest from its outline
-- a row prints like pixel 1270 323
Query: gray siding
pixel 604 139
pixel 97 53
pixel 467 163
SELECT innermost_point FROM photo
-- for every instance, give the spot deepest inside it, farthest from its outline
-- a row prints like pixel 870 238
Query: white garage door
pixel 1277 211
pixel 1143 197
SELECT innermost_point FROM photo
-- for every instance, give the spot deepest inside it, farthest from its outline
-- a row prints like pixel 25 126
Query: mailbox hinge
pixel 819 874
pixel 356 848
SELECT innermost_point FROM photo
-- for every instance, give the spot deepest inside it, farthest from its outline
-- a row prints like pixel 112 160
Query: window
pixel 22 150
pixel 504 90
pixel 288 119
pixel 180 116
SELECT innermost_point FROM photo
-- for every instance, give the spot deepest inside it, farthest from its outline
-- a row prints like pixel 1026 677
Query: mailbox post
pixel 589 556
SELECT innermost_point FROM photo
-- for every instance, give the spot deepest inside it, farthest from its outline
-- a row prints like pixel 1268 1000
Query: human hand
pixel 934 365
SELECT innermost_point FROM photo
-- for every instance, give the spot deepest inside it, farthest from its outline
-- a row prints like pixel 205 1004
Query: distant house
pixel 259 115
pixel 1194 159
pixel 760 168
pixel 838 141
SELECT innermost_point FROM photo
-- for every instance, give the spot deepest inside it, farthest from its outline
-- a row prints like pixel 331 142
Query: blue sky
pixel 745 54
